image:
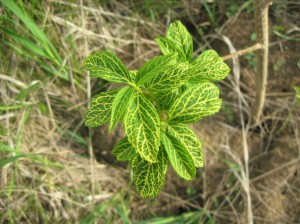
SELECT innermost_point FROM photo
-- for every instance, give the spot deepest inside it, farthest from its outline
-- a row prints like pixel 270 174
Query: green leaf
pixel 208 66
pixel 119 105
pixel 297 89
pixel 189 140
pixel 172 77
pixel 165 101
pixel 179 157
pixel 100 109
pixel 195 103
pixel 142 127
pixel 133 74
pixel 30 88
pixel 168 47
pixel 123 150
pixel 181 37
pixel 107 66
pixel 153 67
pixel 149 177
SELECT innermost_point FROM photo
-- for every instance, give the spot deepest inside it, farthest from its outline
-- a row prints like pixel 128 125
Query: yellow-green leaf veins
pixel 155 105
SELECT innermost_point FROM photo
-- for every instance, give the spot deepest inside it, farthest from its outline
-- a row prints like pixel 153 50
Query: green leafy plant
pixel 159 100
pixel 297 90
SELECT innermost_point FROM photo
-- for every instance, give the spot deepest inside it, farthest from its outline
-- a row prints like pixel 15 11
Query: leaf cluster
pixel 158 102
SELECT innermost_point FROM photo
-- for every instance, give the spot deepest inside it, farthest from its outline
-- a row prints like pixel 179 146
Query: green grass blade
pixel 181 219
pixel 122 211
pixel 25 92
pixel 15 107
pixel 6 149
pixel 29 45
pixel 10 160
pixel 34 29
pixel 47 67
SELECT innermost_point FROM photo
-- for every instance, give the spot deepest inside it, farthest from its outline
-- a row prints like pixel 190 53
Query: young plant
pixel 159 100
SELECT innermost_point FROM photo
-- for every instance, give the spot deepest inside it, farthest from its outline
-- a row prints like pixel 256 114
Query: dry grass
pixel 64 176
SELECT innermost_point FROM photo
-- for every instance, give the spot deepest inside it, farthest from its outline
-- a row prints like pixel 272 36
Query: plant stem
pixel 261 8
pixel 242 52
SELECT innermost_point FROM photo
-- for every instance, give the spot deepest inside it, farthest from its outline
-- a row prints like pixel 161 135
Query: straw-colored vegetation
pixel 53 169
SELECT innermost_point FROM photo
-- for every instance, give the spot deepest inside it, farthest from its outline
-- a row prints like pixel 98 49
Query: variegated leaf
pixel 152 67
pixel 168 46
pixel 189 140
pixel 133 74
pixel 123 150
pixel 165 100
pixel 119 105
pixel 179 157
pixel 107 66
pixel 195 103
pixel 169 79
pixel 149 177
pixel 178 33
pixel 208 66
pixel 142 126
pixel 100 109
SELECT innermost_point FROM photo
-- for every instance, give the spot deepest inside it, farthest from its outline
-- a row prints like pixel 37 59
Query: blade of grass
pixel 72 135
pixel 6 149
pixel 24 92
pixel 76 137
pixel 21 125
pixel 122 210
pixel 29 45
pixel 44 49
pixel 9 194
pixel 98 212
pixel 10 160
pixel 46 161
pixel 211 13
pixel 172 219
pixel 34 29
pixel 46 67
pixel 17 154
pixel 14 107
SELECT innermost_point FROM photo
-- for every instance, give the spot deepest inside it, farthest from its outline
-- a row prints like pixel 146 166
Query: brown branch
pixel 242 52
pixel 261 9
